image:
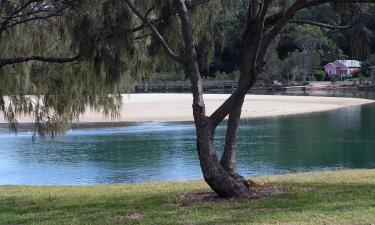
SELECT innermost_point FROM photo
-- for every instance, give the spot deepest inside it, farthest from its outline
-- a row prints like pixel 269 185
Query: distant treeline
pixel 300 52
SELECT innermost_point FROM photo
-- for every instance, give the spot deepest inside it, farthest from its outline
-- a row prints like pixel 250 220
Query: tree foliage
pixel 106 49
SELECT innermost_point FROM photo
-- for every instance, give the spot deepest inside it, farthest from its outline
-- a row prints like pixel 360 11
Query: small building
pixel 342 68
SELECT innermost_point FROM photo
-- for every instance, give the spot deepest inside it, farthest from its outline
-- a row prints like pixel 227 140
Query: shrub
pixel 319 74
pixel 356 74
pixel 221 75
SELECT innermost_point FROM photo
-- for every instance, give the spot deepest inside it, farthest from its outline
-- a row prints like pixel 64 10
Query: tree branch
pixel 273 18
pixel 160 19
pixel 154 30
pixel 311 3
pixel 319 24
pixel 284 17
pixel 10 61
pixel 15 12
pixel 28 20
pixel 282 20
pixel 39 11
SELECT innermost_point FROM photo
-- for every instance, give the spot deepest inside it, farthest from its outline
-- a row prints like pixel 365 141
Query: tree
pixel 319 74
pixel 298 65
pixel 113 40
pixel 262 27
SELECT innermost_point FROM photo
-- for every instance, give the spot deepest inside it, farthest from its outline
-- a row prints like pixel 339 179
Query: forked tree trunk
pixel 226 183
pixel 221 177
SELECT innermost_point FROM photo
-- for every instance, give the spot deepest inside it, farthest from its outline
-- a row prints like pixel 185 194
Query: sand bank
pixel 177 107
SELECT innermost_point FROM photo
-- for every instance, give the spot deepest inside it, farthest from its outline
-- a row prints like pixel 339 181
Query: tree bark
pixel 229 157
pixel 223 182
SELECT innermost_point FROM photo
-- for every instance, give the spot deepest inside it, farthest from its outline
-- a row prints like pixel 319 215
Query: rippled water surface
pixel 343 138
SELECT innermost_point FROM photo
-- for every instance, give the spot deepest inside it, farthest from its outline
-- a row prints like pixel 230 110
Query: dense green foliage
pixel 318 74
pixel 341 197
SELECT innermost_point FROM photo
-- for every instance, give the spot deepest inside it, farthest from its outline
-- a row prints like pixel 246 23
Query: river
pixel 144 152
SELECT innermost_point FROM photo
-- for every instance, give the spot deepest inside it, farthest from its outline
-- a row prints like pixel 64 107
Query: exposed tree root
pixel 256 192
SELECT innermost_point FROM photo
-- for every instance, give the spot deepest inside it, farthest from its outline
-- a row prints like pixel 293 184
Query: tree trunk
pixel 223 182
pixel 229 157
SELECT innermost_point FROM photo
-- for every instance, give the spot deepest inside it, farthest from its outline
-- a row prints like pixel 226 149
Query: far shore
pixel 177 107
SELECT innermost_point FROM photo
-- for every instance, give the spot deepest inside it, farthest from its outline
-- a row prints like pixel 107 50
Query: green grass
pixel 340 197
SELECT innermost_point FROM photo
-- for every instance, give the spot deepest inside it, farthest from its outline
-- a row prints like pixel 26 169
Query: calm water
pixel 166 151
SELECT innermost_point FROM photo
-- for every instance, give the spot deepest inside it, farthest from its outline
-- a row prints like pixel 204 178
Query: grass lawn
pixel 340 197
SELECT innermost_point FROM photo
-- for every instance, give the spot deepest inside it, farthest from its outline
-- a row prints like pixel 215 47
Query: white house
pixel 343 68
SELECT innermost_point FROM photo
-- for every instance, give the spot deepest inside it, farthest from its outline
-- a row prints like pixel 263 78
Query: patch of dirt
pixel 132 216
pixel 135 216
pixel 116 219
pixel 256 192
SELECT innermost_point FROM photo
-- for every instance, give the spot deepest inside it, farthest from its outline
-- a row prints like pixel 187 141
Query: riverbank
pixel 340 197
pixel 177 107
pixel 228 86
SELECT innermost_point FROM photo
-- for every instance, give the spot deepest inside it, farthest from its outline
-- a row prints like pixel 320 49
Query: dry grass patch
pixel 257 193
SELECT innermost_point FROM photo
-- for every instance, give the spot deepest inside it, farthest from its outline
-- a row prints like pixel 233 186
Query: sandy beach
pixel 177 107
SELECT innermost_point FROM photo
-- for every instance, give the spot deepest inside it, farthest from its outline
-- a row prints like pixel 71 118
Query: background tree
pixel 273 68
pixel 331 42
pixel 299 65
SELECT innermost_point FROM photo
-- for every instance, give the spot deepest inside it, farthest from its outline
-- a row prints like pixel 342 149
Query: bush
pixel 234 75
pixel 362 79
pixel 319 74
pixel 334 78
pixel 356 74
pixel 221 75
pixel 327 78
